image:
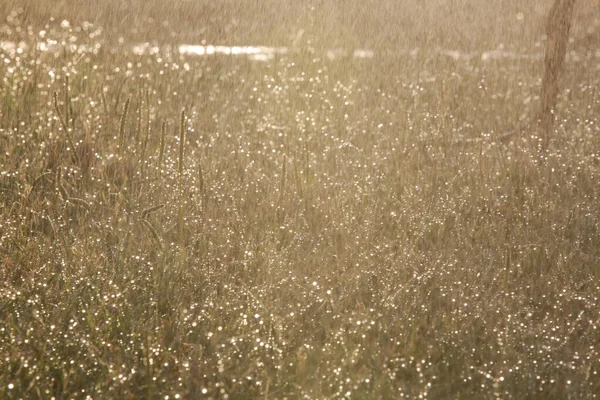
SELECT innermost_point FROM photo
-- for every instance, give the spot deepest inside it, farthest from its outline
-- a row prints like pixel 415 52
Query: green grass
pixel 321 233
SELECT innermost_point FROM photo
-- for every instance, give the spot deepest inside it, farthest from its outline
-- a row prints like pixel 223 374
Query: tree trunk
pixel 557 32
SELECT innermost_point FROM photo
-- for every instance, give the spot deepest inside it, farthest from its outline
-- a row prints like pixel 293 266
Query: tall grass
pixel 122 122
pixel 180 167
pixel 314 229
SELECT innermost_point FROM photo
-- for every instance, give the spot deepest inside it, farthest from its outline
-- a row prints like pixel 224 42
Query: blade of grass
pixel 121 138
pixel 66 129
pixel 180 175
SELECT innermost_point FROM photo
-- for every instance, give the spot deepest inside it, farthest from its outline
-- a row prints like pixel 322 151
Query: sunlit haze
pixel 320 199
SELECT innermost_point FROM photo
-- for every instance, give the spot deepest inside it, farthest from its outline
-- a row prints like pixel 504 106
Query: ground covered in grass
pixel 326 229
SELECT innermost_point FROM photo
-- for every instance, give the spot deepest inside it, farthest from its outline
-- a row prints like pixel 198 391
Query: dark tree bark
pixel 557 32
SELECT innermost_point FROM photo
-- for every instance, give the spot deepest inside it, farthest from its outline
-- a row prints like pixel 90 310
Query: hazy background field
pixel 453 24
pixel 329 227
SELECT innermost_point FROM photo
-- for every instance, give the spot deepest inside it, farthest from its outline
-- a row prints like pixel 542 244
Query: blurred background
pixel 462 25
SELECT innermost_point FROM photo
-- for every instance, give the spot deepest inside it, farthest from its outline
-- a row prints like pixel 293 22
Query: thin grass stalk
pixel 38 181
pixel 138 127
pixel 58 182
pixel 298 179
pixel 181 145
pixel 180 175
pixel 161 153
pixel 282 182
pixel 66 129
pixel 146 136
pixel 280 213
pixel 201 185
pixel 150 366
pixel 121 139
pixel 306 163
pixel 146 212
pixel 67 116
pixel 147 132
pixel 104 103
pixel 153 232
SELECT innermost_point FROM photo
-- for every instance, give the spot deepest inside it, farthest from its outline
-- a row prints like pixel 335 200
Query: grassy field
pixel 305 229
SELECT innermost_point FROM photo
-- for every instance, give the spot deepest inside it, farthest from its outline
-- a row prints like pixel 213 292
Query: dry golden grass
pixel 320 232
